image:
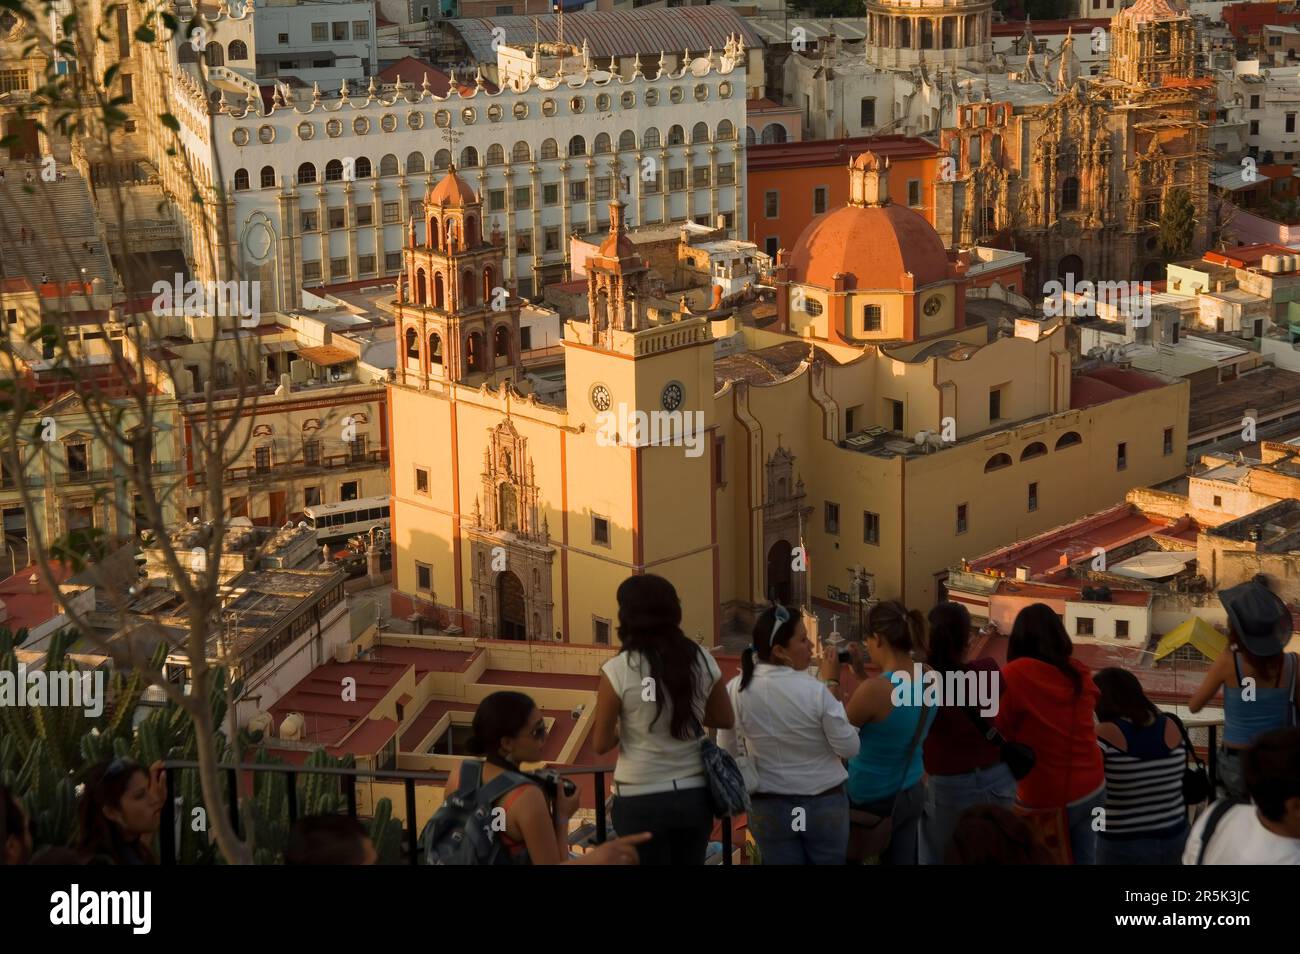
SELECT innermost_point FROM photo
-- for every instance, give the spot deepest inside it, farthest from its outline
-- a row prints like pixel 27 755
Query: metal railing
pixel 167 831
pixel 326 463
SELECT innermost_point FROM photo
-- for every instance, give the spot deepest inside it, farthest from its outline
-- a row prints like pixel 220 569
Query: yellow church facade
pixel 841 453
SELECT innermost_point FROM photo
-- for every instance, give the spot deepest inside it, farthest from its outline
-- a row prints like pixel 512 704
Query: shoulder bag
pixel 1196 780
pixel 1019 757
pixel 744 761
pixel 869 833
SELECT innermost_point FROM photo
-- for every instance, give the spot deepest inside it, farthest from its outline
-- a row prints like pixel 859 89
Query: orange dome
pixel 874 245
pixel 451 190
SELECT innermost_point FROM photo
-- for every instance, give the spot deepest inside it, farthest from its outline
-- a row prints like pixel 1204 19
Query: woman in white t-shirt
pixel 654 698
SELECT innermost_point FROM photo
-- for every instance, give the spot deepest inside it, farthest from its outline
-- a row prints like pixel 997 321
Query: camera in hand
pixel 551 781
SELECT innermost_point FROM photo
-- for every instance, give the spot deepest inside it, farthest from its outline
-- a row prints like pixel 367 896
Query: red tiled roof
pixel 29 608
pixel 1106 384
pixel 425 660
pixel 1244 256
pixel 413 71
pixel 1107 530
pixel 835 152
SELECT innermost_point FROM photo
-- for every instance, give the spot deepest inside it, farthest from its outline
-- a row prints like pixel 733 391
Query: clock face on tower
pixel 672 396
pixel 932 305
pixel 600 398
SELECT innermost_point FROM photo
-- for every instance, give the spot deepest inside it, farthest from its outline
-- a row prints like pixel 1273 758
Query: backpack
pixel 460 832
pixel 1220 809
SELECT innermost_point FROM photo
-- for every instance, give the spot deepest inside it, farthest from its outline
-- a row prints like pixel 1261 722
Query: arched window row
pixel 1032 451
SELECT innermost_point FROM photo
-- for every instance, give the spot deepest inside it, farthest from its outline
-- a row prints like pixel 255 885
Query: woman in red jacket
pixel 1047 705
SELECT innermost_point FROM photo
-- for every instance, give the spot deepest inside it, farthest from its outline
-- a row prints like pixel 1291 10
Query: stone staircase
pixel 61 217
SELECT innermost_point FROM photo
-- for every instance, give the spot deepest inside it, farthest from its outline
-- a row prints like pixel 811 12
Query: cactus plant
pixel 45 753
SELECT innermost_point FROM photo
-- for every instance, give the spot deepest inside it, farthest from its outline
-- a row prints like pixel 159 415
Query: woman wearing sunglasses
pixel 119 812
pixel 794 730
pixel 508 731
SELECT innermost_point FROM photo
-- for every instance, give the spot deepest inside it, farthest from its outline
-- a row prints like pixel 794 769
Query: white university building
pixel 320 185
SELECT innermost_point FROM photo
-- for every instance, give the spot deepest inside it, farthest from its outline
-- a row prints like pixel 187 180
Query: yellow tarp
pixel 1196 631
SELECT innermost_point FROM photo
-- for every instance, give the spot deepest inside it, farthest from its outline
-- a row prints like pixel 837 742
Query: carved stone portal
pixel 511 556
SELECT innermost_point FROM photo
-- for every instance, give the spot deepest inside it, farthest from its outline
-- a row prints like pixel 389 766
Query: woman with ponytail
pixel 794 730
pixel 886 777
pixel 1047 704
pixel 654 700
pixel 508 731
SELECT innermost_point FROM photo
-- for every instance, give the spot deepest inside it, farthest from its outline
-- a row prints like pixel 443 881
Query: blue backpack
pixel 461 831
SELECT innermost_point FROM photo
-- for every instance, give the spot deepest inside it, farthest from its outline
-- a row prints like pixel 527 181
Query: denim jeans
pixel 947 796
pixel 1167 850
pixel 680 822
pixel 1228 765
pixel 1083 839
pixel 905 834
pixel 824 821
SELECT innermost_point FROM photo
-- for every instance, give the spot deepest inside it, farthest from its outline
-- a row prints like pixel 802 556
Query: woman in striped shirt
pixel 1145 819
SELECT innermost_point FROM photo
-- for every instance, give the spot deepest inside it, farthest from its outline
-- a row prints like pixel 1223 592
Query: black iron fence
pixel 349 777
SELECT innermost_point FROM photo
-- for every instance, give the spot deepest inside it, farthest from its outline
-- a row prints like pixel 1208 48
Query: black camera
pixel 551 781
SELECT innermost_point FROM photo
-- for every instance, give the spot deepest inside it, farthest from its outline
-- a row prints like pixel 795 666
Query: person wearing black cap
pixel 1257 677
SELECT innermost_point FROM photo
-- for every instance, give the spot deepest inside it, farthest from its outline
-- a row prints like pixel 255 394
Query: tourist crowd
pixel 937 755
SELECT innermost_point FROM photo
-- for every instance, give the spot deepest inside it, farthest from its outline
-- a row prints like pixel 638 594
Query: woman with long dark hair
pixel 1146 817
pixel 119 811
pixel 508 731
pixel 655 698
pixel 1259 626
pixel 964 768
pixel 794 730
pixel 886 777
pixel 1047 704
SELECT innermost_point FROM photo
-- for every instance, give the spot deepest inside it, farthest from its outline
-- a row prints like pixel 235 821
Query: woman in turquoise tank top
pixel 885 777
pixel 1257 677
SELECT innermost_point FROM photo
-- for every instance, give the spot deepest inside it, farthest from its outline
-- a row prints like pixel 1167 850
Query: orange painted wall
pixel 794 185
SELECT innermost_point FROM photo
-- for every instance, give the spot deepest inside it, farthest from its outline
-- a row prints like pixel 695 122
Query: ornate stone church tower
pixel 1151 42
pixel 455 321
pixel 615 279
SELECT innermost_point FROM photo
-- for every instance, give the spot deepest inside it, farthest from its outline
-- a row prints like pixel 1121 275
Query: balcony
pixel 330 463
pixel 87 476
pixel 101 475
pixel 598 781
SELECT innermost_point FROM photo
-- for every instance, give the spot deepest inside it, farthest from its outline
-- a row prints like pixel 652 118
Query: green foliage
pixel 1177 224
pixel 46 752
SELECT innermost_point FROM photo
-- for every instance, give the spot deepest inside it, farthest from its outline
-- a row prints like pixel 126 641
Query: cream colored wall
pixel 1236 501
pixel 1072 482
pixel 892 310
pixel 1022 365
pixel 942 320
pixel 1104 617
pixel 422 525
